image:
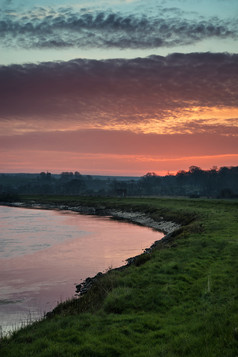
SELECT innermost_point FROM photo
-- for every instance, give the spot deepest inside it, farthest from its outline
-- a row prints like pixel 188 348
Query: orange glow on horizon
pixel 107 164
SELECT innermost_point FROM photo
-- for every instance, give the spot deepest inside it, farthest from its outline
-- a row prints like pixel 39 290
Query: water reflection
pixel 43 254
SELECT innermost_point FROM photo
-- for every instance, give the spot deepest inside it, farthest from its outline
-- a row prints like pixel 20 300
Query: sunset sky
pixel 118 87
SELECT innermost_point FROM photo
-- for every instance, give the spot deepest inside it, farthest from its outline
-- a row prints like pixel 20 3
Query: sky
pixel 120 87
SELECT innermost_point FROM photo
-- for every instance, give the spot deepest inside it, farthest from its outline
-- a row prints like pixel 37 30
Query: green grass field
pixel 181 300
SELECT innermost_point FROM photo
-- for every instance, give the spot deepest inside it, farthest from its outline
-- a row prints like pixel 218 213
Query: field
pixel 180 300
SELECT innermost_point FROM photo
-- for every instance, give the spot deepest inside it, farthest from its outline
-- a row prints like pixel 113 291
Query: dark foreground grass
pixel 182 300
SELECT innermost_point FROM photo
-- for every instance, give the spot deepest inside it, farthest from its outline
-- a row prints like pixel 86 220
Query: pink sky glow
pixel 120 117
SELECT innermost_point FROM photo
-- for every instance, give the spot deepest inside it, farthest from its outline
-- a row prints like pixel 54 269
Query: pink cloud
pixel 123 143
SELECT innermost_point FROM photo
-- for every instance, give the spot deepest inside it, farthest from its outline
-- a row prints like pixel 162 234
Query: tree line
pixel 195 182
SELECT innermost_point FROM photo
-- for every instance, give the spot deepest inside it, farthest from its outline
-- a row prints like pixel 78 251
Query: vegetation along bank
pixel 178 299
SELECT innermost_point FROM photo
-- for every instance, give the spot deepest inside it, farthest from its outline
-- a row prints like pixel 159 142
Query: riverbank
pixel 44 254
pixel 139 218
pixel 179 300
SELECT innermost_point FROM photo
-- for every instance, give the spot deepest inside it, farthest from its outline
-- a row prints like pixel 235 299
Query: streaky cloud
pixel 47 28
pixel 110 142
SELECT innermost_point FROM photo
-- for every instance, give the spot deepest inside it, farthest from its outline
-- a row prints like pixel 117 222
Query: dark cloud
pixel 65 28
pixel 119 90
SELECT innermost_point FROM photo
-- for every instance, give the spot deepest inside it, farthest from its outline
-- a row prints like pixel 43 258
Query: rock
pixel 87 284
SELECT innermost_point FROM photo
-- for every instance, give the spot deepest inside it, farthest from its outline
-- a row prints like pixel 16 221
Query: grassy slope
pixel 183 301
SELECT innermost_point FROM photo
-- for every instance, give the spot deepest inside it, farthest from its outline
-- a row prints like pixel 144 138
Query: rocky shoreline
pixel 167 227
pixel 128 216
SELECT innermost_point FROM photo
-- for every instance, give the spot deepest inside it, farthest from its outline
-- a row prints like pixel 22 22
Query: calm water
pixel 44 254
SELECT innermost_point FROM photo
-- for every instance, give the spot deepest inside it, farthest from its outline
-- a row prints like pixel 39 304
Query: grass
pixel 181 300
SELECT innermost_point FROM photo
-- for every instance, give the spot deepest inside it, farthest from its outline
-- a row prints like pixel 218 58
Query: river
pixel 44 254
